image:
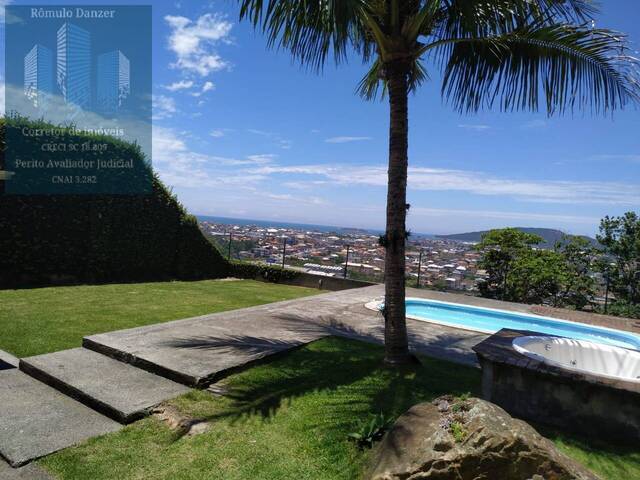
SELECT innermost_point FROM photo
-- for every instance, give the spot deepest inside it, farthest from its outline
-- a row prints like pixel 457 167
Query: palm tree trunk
pixel 395 334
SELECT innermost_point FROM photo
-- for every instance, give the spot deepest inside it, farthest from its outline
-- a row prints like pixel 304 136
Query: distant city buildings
pixel 38 74
pixel 444 264
pixel 114 81
pixel 73 73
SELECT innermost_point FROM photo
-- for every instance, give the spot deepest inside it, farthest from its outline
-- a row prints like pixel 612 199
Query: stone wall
pixel 581 407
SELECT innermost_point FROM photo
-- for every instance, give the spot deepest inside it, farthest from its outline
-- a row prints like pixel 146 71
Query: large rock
pixel 468 440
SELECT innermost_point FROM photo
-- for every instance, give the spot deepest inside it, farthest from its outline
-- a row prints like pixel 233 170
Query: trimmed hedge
pixel 53 239
pixel 267 273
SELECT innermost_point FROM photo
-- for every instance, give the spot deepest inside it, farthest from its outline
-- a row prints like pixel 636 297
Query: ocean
pixel 295 226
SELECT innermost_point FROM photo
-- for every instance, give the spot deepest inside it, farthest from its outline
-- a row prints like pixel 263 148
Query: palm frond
pixel 369 86
pixel 373 84
pixel 423 21
pixel 568 66
pixel 479 18
pixel 312 30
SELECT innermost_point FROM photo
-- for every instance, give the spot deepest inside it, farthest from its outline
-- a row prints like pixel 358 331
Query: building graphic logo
pixel 73 74
pixel 38 75
pixel 114 81
pixel 73 66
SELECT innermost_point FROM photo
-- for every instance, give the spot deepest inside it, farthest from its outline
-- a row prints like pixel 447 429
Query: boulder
pixel 470 439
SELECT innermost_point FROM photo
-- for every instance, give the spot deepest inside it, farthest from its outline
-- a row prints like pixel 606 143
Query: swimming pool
pixel 488 320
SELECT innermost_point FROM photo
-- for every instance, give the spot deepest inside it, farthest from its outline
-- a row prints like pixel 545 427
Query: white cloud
pixel 194 43
pixel 290 199
pixel 208 86
pixel 276 196
pixel 535 124
pixel 478 183
pixel 285 144
pixel 217 133
pixel 282 143
pixel 633 158
pixel 305 185
pixel 347 139
pixel 263 158
pixel 260 132
pixel 181 85
pixel 163 107
pixel 179 166
pixel 499 215
pixel 474 127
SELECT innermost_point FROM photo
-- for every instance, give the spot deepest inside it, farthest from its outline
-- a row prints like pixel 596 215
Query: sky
pixel 242 131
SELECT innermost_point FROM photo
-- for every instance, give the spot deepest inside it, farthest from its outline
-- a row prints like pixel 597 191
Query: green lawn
pixel 289 419
pixel 611 462
pixel 44 320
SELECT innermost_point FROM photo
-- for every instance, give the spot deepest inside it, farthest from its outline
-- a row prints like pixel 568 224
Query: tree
pixel 513 54
pixel 620 237
pixel 579 287
pixel 520 273
pixel 501 249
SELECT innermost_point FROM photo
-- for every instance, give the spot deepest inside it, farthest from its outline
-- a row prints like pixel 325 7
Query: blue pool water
pixel 490 321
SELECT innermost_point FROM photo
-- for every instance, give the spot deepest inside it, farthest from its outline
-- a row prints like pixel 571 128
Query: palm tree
pixel 512 54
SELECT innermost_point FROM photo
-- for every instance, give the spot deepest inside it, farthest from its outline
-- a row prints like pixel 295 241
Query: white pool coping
pixel 377 302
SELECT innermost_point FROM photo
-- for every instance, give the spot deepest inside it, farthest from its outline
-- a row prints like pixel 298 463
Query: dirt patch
pixel 184 425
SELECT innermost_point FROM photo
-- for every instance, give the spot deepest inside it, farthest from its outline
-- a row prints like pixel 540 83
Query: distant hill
pixel 549 235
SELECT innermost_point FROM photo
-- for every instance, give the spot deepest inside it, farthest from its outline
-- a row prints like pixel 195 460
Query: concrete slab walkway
pixel 36 420
pixel 116 389
pixel 201 350
pixel 28 472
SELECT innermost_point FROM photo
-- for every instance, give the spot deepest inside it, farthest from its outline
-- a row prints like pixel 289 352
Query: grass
pixel 45 320
pixel 290 419
pixel 611 462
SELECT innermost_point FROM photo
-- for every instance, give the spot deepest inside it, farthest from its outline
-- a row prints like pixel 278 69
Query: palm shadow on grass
pixel 347 376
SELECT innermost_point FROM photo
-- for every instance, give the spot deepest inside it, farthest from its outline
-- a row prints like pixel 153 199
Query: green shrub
pixel 47 239
pixel 264 272
pixel 620 308
pixel 371 431
pixel 458 431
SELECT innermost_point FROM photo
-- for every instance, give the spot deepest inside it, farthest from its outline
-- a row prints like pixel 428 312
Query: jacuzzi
pixel 583 356
pixel 576 385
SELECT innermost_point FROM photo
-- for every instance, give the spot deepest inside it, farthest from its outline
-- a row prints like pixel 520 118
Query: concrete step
pixel 116 389
pixel 37 420
pixel 200 351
